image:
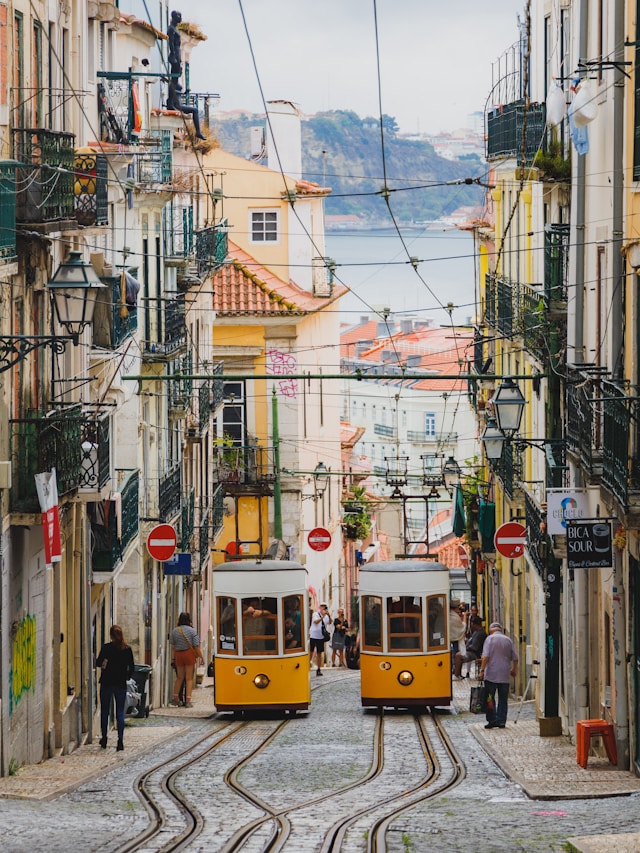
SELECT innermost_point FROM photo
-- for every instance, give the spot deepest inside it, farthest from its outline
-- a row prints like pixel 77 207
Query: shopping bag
pixel 478 699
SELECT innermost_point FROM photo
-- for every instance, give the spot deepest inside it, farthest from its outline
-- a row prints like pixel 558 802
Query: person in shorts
pixel 338 640
pixel 186 652
pixel 316 638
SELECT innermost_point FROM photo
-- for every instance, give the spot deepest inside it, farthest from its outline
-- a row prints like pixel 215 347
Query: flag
pixel 459 522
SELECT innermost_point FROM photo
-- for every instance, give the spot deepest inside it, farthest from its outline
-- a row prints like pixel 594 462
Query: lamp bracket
pixel 15 348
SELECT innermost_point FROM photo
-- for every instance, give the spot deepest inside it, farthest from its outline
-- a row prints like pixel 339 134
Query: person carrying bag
pixel 186 652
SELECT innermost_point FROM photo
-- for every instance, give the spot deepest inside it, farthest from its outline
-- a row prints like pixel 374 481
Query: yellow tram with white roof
pixel 405 659
pixel 261 626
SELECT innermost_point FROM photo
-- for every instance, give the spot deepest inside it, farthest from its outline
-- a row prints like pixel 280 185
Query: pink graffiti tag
pixel 283 364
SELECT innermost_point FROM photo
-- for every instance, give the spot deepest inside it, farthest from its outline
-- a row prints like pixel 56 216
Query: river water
pixel 375 266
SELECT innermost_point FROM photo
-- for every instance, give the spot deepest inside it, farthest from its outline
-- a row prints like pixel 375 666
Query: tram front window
pixel 259 625
pixel 292 623
pixel 404 613
pixel 436 637
pixel 371 635
pixel 228 628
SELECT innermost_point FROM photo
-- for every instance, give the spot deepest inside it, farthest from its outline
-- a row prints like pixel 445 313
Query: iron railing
pixel 95 471
pixel 535 522
pixel 169 334
pixel 505 307
pixel 181 387
pixel 245 465
pixel 217 518
pixel 383 429
pixel 556 260
pixel 490 295
pixel 46 174
pixel 515 130
pixel 217 387
pixel 114 319
pixel 417 437
pixel 203 537
pixel 108 547
pixel 187 520
pixel 39 443
pixel 204 407
pixel 211 248
pixel 177 231
pixel 170 494
pixel 91 188
pixel 583 427
pixel 509 469
pixel 7 211
pixel 620 436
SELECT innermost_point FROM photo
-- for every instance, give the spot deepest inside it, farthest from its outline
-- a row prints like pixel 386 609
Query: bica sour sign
pixel 589 545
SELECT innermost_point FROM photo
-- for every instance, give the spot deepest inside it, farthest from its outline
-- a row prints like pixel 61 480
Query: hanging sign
pixel 589 545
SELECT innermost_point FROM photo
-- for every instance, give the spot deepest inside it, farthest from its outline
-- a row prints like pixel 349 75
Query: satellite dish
pixel 277 550
pixel 229 505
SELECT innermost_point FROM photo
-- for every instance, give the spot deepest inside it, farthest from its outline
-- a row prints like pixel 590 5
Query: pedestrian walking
pixel 116 664
pixel 499 661
pixel 318 635
pixel 186 652
pixel 338 640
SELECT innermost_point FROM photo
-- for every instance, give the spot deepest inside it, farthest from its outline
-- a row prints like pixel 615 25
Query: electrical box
pixel 5 475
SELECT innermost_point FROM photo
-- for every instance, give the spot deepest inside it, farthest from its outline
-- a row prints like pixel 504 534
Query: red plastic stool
pixel 585 730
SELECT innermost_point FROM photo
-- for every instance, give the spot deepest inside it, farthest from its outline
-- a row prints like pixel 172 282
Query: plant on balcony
pixel 227 455
pixel 553 164
pixel 357 520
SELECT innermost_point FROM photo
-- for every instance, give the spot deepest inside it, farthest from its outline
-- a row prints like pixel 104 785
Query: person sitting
pixel 473 648
pixel 174 102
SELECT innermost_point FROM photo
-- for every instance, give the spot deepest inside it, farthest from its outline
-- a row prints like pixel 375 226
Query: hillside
pixel 343 151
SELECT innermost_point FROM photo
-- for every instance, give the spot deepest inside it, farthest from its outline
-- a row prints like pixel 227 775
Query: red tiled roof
pixel 244 287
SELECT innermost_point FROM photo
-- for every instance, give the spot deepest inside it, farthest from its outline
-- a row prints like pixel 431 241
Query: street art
pixel 281 363
pixel 22 676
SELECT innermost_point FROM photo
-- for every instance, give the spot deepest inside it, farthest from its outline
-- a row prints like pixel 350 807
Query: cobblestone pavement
pixel 86 801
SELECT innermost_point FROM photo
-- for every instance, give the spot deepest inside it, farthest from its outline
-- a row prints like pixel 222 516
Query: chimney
pixel 284 126
pixel 406 325
pixel 383 330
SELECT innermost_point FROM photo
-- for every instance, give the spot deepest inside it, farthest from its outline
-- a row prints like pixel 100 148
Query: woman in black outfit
pixel 116 662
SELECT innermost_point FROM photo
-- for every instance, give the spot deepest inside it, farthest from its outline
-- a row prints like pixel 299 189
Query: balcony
pixel 203 538
pixel 218 512
pixel 91 189
pixel 504 292
pixel 167 328
pixel 45 176
pixel 509 469
pixel 181 389
pixel 217 387
pixel 7 212
pixel 417 437
pixel 114 319
pixel 535 522
pixel 187 521
pixel 556 259
pixel 383 429
pixel 152 164
pixel 211 248
pixel 114 525
pixel 249 469
pixel 505 125
pixel 583 429
pixel 620 440
pixel 95 472
pixel 170 494
pixel 39 443
pixel 177 233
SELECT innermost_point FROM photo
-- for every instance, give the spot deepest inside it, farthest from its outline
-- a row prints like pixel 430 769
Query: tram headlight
pixel 405 677
pixel 261 681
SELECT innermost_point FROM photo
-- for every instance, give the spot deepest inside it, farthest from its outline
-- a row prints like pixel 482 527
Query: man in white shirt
pixel 320 617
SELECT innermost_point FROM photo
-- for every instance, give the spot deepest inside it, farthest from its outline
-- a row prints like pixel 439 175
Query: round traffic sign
pixel 319 539
pixel 162 542
pixel 510 539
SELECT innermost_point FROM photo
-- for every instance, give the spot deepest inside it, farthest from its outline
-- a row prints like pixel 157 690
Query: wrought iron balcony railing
pixel 505 306
pixel 556 259
pixel 217 518
pixel 211 248
pixel 509 469
pixel 45 174
pixel 490 292
pixel 113 530
pixel 383 429
pixel 584 419
pixel 154 166
pixel 114 318
pixel 217 387
pixel 534 518
pixel 515 130
pixel 95 470
pixel 187 520
pixel 621 435
pixel 417 437
pixel 39 443
pixel 181 389
pixel 167 330
pixel 251 466
pixel 177 232
pixel 203 538
pixel 170 494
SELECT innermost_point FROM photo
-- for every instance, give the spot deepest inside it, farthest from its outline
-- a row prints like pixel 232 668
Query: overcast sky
pixel 435 56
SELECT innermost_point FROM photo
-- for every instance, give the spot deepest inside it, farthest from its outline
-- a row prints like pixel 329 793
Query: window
pixel 259 625
pixel 227 625
pixel 371 636
pixel 404 614
pixel 436 636
pixel 264 226
pixel 430 424
pixel 292 624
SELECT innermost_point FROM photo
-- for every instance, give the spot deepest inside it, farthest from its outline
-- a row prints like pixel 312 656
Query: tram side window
pixel 404 613
pixel 228 626
pixel 292 623
pixel 371 636
pixel 436 626
pixel 259 617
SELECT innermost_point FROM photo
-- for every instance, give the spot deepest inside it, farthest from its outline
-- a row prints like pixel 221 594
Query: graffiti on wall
pixel 22 676
pixel 283 364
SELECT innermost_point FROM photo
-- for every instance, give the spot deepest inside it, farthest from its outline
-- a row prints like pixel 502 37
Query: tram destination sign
pixel 589 545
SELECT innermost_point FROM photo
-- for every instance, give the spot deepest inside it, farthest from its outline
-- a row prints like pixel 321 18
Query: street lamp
pixel 320 480
pixel 508 403
pixel 74 289
pixel 493 440
pixel 450 474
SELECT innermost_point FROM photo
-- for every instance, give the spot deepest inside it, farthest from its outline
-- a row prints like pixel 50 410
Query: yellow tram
pixel 405 658
pixel 261 627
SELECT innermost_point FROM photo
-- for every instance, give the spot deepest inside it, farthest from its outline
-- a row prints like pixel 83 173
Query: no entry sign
pixel 510 539
pixel 319 539
pixel 162 542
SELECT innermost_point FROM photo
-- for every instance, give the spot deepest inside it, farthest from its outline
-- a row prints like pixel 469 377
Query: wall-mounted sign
pixel 179 564
pixel 566 506
pixel 589 545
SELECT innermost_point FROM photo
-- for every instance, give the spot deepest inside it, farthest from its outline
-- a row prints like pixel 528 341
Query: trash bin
pixel 142 677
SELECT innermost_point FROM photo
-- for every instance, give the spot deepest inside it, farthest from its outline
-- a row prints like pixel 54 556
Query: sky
pixel 435 57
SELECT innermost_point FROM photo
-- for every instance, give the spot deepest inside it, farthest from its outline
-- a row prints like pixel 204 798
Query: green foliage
pixel 14 766
pixel 356 520
pixel 343 151
pixel 552 162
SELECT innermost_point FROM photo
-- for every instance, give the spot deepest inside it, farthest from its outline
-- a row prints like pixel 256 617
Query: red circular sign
pixel 510 539
pixel 319 539
pixel 162 542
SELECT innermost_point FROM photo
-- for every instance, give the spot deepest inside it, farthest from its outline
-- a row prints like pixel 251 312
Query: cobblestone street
pixel 322 752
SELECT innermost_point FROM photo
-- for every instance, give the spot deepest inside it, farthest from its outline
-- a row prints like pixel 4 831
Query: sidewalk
pixel 64 773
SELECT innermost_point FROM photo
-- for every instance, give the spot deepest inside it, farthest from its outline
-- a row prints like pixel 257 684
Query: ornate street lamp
pixel 320 480
pixel 493 440
pixel 74 289
pixel 508 403
pixel 450 474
